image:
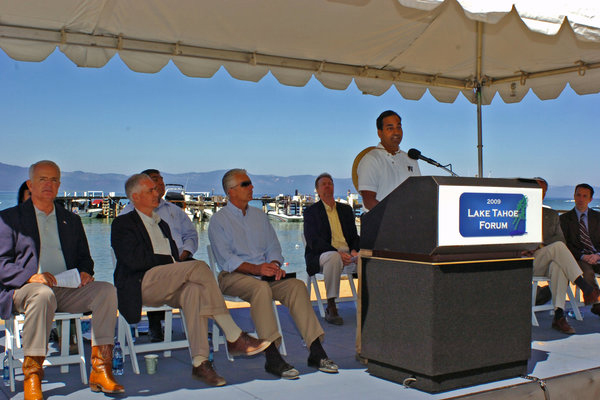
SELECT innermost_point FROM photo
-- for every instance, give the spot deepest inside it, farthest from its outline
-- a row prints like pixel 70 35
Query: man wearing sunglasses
pixel 248 251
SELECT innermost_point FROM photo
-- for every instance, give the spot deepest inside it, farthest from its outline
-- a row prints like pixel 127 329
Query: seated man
pixel 184 234
pixel 247 249
pixel 147 273
pixel 38 240
pixel 581 227
pixel 331 242
pixel 554 259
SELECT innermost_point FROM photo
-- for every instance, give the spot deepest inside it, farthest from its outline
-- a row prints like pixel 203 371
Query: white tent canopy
pixel 411 44
pixel 476 47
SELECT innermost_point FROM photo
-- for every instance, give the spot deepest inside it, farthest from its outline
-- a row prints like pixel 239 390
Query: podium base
pixel 447 324
pixel 442 383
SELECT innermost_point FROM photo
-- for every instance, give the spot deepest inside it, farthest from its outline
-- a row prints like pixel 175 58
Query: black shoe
pixel 282 370
pixel 543 295
pixel 595 309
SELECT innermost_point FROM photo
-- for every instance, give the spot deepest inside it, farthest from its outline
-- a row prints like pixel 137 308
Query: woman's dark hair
pixel 22 190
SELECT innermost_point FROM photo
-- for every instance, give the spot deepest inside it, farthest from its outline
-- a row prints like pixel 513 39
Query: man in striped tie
pixel 581 227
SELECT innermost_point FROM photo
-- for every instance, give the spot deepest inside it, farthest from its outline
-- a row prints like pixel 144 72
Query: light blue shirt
pixel 579 213
pixel 182 229
pixel 51 256
pixel 237 238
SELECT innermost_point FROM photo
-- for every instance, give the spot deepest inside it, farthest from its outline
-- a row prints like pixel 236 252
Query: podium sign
pixel 486 215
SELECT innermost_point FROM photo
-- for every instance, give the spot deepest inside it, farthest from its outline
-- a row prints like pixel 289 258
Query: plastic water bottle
pixel 5 372
pixel 117 361
pixel 211 355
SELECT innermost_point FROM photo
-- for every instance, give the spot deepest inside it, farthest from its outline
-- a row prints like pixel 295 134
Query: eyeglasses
pixel 243 184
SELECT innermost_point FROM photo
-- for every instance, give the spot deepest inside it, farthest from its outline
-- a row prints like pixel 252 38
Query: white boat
pixel 283 217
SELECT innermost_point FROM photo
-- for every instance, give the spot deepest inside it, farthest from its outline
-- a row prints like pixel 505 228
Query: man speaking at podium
pixel 385 167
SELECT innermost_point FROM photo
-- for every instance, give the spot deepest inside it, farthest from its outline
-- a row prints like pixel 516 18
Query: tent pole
pixel 478 94
pixel 479 135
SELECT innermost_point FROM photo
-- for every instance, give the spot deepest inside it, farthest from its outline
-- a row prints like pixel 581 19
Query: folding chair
pixel 311 282
pixel 545 307
pixel 12 345
pixel 217 337
pixel 130 347
pixel 127 342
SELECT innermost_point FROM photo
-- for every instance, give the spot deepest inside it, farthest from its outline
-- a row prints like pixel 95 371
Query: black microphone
pixel 416 155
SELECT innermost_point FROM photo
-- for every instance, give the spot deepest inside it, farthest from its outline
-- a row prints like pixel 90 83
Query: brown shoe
pixel 247 345
pixel 592 298
pixel 562 326
pixel 207 374
pixel 333 317
pixel 33 371
pixel 101 377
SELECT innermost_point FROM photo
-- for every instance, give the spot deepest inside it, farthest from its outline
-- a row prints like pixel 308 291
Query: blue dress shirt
pixel 237 238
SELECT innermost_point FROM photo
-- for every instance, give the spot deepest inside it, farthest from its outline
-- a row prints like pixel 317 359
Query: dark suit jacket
pixel 20 248
pixel 317 232
pixel 570 228
pixel 135 255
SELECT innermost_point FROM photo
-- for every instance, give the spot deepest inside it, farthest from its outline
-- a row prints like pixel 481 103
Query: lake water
pixel 289 234
pixel 98 234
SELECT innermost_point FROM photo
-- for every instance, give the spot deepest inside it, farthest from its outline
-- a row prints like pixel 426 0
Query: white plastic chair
pixel 217 337
pixel 545 307
pixel 311 282
pixel 131 348
pixel 127 342
pixel 12 344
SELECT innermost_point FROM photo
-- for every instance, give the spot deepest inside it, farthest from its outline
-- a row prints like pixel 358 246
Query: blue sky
pixel 115 120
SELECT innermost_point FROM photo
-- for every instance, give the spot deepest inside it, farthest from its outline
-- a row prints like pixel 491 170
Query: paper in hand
pixel 69 279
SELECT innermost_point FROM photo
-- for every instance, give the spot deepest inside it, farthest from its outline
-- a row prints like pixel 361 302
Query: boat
pixel 283 217
pixel 89 205
pixel 287 208
pixel 175 193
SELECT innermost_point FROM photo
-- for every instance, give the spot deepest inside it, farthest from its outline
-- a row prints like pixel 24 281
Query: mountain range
pixel 11 177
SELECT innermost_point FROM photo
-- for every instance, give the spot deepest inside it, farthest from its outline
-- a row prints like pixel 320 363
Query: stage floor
pixel 553 355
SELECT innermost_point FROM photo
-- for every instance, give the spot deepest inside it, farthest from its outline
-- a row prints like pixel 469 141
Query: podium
pixel 445 293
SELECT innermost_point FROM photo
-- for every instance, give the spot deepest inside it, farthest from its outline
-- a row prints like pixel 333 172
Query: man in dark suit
pixel 331 242
pixel 148 272
pixel 581 227
pixel 38 240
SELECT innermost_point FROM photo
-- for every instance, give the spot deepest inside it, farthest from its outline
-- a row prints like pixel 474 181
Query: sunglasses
pixel 244 184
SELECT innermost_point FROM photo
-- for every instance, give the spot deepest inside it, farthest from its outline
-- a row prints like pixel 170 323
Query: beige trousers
pixel 557 262
pixel 39 303
pixel 291 293
pixel 191 286
pixel 332 268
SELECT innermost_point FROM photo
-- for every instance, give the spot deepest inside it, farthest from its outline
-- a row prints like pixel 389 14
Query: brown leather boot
pixel 101 377
pixel 33 371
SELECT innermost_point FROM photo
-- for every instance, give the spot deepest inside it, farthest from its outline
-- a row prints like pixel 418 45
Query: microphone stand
pixel 447 169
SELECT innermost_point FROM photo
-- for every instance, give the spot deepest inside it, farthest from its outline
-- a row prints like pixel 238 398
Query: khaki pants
pixel 291 293
pixel 39 303
pixel 332 268
pixel 557 262
pixel 191 286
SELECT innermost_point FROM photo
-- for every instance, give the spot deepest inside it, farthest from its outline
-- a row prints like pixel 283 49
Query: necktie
pixel 588 248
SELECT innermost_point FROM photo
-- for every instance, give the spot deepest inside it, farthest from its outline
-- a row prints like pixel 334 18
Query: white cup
pixel 151 363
